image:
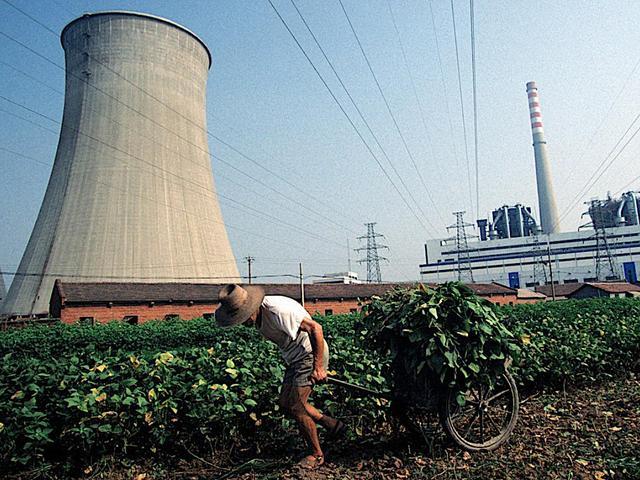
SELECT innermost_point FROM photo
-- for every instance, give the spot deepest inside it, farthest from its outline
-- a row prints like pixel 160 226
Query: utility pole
pixel 301 285
pixel 606 267
pixel 250 261
pixel 465 272
pixel 348 256
pixel 553 285
pixel 539 269
pixel 373 258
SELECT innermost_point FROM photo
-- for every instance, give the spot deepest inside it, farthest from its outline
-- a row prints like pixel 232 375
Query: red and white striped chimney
pixel 549 218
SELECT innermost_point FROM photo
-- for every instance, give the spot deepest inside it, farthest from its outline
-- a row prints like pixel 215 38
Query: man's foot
pixel 335 428
pixel 338 430
pixel 311 462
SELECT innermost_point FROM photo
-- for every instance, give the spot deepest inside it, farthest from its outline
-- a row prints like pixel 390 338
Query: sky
pixel 265 98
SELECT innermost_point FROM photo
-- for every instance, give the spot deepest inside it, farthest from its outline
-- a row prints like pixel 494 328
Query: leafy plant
pixel 446 335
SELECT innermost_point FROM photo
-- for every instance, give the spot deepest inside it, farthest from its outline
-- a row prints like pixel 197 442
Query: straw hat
pixel 237 303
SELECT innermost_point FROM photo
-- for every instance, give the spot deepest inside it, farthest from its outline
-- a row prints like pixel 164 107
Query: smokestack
pixel 549 219
pixel 128 200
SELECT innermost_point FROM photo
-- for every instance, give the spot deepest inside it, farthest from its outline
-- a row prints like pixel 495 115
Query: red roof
pixel 130 292
pixel 561 290
pixel 615 287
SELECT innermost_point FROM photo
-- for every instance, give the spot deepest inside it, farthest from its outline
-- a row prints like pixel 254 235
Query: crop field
pixel 185 399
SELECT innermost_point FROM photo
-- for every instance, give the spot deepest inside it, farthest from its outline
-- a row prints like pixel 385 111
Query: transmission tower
pixel 465 272
pixel 606 266
pixel 373 258
pixel 539 269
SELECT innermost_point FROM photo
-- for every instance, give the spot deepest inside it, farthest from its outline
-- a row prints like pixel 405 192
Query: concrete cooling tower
pixel 131 195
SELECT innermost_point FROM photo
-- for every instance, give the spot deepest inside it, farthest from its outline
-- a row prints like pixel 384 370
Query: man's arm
pixel 314 329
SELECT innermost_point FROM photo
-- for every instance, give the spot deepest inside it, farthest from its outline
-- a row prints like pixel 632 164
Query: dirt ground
pixel 586 433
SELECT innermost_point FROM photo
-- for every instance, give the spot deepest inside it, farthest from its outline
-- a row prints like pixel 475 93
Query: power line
pixel 314 235
pixel 605 117
pixel 464 125
pixel 303 191
pixel 229 164
pixel 475 105
pixel 344 112
pixel 393 118
pixel 595 176
pixel 416 96
pixel 446 94
pixel 173 207
pixel 348 93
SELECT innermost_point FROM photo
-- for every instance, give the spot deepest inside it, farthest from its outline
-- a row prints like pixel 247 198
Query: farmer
pixel 286 323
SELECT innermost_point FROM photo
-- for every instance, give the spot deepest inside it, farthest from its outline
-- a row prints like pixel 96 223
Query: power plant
pixel 516 250
pixel 131 196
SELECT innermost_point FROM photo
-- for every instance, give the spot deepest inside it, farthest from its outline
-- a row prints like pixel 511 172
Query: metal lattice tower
pixel 606 266
pixel 373 258
pixel 539 269
pixel 465 272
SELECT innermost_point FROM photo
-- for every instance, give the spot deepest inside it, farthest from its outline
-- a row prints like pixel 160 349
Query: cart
pixel 482 424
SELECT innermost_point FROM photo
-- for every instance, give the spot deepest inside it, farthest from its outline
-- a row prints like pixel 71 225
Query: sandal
pixel 311 462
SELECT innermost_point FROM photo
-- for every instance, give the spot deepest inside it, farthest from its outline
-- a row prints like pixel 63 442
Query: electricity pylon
pixel 465 272
pixel 373 258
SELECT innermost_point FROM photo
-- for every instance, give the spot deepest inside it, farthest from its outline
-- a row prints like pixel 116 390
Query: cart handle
pixel 358 388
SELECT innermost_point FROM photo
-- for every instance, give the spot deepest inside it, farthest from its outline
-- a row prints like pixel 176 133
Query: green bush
pixel 575 340
pixel 97 399
pixel 81 392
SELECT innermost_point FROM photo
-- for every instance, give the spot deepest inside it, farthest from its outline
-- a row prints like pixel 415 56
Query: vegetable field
pixel 72 395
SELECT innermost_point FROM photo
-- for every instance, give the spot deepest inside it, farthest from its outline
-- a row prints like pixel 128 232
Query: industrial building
pixel 512 261
pixel 515 249
pixel 131 196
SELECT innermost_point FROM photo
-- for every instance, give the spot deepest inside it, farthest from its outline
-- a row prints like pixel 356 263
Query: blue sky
pixel 265 99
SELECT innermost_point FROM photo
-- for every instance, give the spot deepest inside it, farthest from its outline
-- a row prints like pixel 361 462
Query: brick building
pixel 591 289
pixel 140 302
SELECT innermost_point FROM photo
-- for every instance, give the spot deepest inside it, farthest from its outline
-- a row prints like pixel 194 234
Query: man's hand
pixel 319 375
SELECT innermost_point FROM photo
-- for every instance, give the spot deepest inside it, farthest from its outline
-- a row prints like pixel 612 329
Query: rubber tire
pixel 494 443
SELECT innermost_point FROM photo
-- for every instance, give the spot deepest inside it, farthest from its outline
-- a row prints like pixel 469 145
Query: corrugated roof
pixel 91 292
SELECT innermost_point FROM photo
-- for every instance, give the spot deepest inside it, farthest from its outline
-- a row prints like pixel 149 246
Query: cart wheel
pixel 488 417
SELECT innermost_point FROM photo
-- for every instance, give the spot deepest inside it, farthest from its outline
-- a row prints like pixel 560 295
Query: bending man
pixel 286 323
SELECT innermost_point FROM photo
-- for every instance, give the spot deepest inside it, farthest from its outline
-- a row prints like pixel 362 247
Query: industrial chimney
pixel 131 196
pixel 549 219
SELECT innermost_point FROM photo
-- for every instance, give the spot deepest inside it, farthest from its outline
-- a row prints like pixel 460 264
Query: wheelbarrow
pixel 483 423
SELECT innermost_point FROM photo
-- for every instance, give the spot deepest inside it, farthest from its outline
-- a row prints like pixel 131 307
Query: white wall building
pixel 511 261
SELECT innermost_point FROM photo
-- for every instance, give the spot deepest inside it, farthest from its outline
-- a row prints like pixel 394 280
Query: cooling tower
pixel 131 195
pixel 549 220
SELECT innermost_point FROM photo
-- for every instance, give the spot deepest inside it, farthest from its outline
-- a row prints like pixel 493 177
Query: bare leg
pixel 325 420
pixel 294 401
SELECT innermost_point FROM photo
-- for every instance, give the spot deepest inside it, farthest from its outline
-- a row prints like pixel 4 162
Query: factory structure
pixel 131 195
pixel 130 226
pixel 516 249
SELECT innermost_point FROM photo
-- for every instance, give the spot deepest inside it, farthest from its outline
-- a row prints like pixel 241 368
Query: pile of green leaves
pixel 446 334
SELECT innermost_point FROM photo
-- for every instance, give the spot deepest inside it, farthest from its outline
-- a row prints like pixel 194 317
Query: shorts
pixel 299 373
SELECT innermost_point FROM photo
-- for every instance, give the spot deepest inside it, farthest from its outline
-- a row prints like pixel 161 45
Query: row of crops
pixel 81 392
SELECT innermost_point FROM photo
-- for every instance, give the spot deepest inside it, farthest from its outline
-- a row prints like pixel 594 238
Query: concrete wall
pixel 131 196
